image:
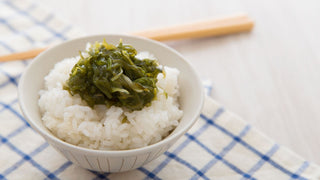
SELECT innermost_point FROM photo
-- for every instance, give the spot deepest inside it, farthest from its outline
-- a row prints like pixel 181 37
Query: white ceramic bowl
pixel 191 100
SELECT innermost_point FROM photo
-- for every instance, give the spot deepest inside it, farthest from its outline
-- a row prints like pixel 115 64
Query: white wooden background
pixel 270 77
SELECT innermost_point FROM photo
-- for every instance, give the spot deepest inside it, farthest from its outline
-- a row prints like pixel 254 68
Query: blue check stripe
pixel 17 131
pixel 301 169
pixel 184 144
pixel 14 30
pixel 14 112
pixel 11 79
pixel 209 89
pixel 193 138
pixel 100 175
pixel 228 164
pixel 29 38
pixel 64 31
pixel 190 166
pixel 262 161
pixel 10 104
pixel 25 157
pixel 149 174
pixel 6 46
pixel 48 18
pixel 222 153
pixel 5 83
pixel 27 14
pixel 251 148
pixel 62 167
pixel 55 174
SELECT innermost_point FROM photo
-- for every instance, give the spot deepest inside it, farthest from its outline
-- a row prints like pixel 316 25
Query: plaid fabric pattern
pixel 219 146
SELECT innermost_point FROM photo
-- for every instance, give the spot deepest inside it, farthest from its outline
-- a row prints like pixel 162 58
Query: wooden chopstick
pixel 22 55
pixel 214 27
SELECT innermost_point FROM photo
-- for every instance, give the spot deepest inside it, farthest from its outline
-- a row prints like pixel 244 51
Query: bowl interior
pixel 191 91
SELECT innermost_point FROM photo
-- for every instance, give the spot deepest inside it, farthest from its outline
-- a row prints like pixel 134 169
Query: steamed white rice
pixel 72 120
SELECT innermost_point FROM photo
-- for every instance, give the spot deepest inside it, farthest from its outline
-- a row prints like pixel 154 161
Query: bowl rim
pixel 53 139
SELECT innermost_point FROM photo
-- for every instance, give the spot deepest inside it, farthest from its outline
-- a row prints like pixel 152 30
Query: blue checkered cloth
pixel 219 146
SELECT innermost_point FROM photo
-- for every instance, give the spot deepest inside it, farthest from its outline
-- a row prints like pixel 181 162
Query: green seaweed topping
pixel 124 120
pixel 112 75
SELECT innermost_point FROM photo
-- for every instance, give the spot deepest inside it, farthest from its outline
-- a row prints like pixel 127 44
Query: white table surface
pixel 270 76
